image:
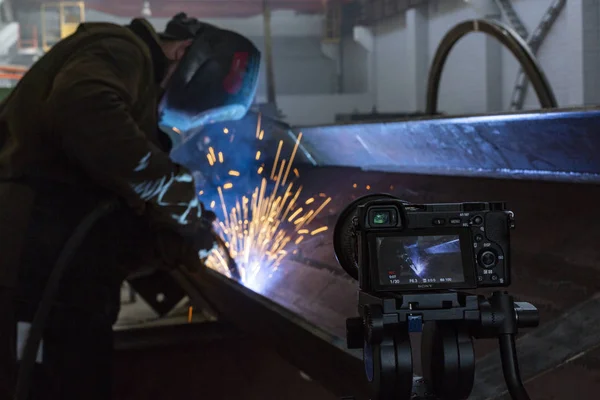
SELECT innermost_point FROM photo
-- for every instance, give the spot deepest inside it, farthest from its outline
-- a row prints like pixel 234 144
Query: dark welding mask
pixel 216 79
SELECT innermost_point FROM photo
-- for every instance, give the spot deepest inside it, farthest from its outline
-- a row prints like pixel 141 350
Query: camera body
pixel 407 248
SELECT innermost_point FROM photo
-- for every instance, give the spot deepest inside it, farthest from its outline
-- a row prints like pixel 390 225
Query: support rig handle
pixel 502 317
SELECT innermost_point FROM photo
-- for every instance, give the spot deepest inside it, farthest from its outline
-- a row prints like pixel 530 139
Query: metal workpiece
pixel 301 310
pixel 546 260
pixel 543 164
pixel 319 353
pixel 557 145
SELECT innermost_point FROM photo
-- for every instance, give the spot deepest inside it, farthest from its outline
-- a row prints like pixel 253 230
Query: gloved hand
pixel 204 239
pixel 207 215
pixel 189 248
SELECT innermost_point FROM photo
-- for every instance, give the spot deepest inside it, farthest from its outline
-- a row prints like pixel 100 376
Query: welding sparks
pixel 260 227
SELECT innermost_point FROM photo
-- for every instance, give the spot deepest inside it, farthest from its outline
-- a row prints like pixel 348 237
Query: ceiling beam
pixel 200 9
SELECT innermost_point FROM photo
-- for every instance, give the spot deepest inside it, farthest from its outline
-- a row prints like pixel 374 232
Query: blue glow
pixel 235 145
pixel 416 264
pixel 235 108
pixel 452 246
pixel 260 279
pixel 187 124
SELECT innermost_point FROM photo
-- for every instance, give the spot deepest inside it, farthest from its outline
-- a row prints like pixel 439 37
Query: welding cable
pixel 49 296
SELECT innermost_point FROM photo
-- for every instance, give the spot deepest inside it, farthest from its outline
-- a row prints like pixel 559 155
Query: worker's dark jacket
pixel 81 126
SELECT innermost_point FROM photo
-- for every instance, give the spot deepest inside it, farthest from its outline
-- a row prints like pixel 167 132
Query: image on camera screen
pixel 419 259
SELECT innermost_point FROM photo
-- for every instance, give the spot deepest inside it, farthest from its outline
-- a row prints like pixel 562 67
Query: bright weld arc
pixel 259 228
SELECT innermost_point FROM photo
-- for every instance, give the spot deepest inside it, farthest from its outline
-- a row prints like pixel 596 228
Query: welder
pixel 80 129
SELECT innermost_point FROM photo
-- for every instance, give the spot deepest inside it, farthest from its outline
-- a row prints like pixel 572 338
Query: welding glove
pixel 204 238
pixel 191 248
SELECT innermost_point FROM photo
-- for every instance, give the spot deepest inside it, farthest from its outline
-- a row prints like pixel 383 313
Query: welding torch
pixel 208 219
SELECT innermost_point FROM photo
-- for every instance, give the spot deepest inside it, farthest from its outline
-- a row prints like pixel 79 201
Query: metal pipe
pixel 269 53
pixel 505 35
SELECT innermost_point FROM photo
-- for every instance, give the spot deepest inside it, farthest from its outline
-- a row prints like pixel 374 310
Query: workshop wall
pixel 311 87
pixel 300 65
pixel 390 64
pixel 384 67
pixel 463 82
pixel 464 87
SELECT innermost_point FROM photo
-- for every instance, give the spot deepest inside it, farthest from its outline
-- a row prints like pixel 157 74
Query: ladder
pixel 535 41
pixel 513 18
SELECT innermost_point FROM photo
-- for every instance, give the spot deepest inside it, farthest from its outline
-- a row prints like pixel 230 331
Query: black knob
pixel 488 259
pixel 527 315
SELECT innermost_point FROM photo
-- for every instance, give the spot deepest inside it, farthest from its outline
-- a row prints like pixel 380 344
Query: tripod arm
pixel 510 367
pixel 505 317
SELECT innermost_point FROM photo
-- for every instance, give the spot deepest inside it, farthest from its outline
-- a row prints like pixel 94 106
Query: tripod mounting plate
pixel 446 306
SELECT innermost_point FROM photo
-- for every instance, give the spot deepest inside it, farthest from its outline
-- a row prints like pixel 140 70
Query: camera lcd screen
pixel 408 260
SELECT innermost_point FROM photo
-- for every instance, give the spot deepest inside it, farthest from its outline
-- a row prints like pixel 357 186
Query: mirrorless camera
pixel 401 247
pixel 414 263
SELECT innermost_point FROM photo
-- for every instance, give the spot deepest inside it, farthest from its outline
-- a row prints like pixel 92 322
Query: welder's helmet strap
pixel 181 27
pixel 215 81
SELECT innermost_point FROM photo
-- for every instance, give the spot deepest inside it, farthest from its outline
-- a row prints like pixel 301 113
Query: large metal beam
pixel 326 299
pixel 318 353
pixel 561 145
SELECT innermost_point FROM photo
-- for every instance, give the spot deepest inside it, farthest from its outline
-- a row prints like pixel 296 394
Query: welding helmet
pixel 215 80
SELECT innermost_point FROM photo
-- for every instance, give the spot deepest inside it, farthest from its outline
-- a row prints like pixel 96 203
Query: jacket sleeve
pixel 90 104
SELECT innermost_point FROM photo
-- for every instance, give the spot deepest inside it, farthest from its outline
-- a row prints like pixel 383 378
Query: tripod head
pixel 449 322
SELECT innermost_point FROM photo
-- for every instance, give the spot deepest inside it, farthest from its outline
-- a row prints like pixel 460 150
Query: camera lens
pixel 488 259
